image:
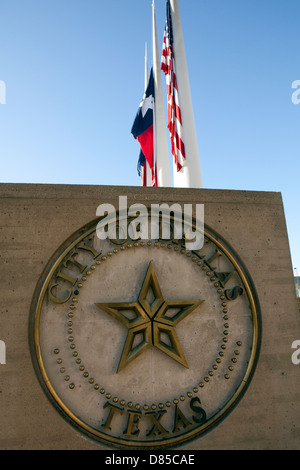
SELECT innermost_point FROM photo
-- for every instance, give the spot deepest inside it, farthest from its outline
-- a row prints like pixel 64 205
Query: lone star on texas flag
pixel 147 104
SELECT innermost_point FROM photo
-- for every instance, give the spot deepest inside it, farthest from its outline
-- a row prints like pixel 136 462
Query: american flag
pixel 174 112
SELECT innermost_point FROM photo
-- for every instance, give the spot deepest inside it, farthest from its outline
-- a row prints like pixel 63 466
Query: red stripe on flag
pixel 146 142
pixel 174 111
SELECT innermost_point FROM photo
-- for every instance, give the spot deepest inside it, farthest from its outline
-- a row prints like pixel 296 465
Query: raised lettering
pixel 224 277
pixel 71 260
pixel 133 422
pixel 58 300
pixel 180 420
pixel 232 294
pixel 113 410
pixel 216 255
pixel 85 247
pixel 199 410
pixel 155 418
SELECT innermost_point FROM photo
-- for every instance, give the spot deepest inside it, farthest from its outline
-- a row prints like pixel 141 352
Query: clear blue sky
pixel 74 75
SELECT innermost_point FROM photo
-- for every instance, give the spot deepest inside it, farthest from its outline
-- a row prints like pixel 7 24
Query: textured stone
pixel 37 219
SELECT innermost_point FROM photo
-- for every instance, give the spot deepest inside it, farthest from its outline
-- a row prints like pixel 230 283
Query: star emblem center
pixel 151 321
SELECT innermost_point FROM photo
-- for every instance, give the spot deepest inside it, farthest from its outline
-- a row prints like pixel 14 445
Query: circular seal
pixel 143 343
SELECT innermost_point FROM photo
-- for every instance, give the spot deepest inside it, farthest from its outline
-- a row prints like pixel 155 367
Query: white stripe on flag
pixel 174 111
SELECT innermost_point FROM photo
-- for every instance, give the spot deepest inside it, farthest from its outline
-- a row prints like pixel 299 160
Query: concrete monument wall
pixel 35 220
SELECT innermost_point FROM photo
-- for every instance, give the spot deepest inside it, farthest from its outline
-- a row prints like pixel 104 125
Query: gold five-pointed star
pixel 151 321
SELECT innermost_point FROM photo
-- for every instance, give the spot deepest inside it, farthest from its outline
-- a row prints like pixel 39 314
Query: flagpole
pixel 146 166
pixel 146 66
pixel 161 151
pixel 190 175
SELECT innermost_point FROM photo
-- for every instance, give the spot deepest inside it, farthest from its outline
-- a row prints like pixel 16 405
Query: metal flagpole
pixel 146 66
pixel 190 175
pixel 161 151
pixel 147 167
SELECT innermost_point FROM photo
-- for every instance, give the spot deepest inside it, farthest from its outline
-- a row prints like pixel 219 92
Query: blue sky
pixel 74 76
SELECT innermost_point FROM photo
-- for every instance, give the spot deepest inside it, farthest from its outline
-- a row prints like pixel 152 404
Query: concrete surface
pixel 36 219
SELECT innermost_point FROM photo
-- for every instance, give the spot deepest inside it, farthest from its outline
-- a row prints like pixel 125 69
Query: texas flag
pixel 142 131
